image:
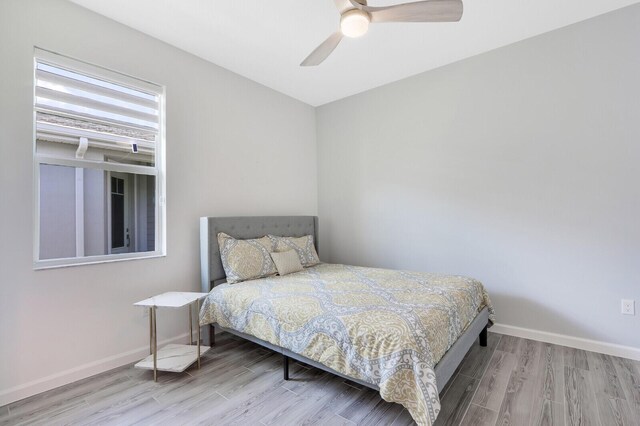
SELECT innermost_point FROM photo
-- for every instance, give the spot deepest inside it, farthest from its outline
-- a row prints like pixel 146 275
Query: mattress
pixel 385 327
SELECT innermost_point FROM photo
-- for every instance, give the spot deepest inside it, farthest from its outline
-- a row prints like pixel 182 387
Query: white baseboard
pixel 62 378
pixel 570 341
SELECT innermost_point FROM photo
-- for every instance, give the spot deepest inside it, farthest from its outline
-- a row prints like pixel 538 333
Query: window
pixel 98 164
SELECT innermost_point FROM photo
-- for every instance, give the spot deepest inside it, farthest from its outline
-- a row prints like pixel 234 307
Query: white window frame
pixel 158 170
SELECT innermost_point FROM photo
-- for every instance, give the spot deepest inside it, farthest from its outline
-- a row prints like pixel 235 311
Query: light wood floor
pixel 512 381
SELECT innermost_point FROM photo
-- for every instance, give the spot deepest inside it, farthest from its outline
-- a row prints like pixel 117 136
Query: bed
pixel 400 333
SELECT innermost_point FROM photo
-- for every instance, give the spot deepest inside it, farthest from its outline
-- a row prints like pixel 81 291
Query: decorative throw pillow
pixel 302 245
pixel 287 262
pixel 244 260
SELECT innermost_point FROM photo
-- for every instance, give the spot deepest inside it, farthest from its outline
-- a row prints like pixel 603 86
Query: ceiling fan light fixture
pixel 356 15
pixel 354 23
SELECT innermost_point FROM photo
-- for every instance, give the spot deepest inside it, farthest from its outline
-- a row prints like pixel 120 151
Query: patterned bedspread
pixel 381 326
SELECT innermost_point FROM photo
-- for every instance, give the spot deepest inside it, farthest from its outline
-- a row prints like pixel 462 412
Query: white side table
pixel 175 358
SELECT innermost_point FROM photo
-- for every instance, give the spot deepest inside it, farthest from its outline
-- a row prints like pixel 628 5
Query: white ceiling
pixel 265 40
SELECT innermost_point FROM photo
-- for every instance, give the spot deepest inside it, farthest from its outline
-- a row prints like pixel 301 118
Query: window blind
pixel 70 104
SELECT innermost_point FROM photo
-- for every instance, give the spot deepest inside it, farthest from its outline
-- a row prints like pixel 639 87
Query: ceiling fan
pixel 355 17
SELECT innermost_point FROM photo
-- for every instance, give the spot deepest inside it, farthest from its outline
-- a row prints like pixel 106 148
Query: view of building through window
pixel 98 145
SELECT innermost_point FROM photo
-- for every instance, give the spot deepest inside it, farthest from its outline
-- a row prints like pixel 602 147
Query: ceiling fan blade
pixel 419 11
pixel 323 51
pixel 343 5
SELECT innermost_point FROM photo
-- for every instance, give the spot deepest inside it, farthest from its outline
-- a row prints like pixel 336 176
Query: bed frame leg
pixel 212 335
pixel 483 337
pixel 285 366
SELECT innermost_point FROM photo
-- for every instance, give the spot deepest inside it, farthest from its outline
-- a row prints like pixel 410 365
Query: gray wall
pixel 519 167
pixel 234 147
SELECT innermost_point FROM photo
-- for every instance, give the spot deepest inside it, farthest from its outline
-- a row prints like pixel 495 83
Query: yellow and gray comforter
pixel 381 326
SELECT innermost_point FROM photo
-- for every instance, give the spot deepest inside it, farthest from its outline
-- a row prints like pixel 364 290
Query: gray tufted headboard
pixel 211 271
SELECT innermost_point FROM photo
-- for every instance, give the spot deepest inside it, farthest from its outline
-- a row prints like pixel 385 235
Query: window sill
pixel 39 265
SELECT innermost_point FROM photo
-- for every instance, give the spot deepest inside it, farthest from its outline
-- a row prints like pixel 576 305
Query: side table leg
pixel 198 326
pixel 190 324
pixel 155 345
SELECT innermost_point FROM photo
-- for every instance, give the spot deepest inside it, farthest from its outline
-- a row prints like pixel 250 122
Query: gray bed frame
pixel 212 274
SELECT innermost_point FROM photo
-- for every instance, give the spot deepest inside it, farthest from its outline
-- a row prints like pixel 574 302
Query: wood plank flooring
pixel 512 381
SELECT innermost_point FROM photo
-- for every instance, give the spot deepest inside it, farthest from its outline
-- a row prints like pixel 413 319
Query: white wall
pixel 520 167
pixel 234 147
